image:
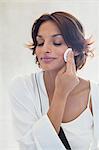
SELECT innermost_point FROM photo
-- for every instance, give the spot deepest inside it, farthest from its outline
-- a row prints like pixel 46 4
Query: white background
pixel 16 20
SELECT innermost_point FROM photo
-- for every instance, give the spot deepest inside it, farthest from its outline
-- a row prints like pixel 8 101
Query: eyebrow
pixel 54 35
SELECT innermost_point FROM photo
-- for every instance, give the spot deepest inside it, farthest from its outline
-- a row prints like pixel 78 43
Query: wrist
pixel 60 94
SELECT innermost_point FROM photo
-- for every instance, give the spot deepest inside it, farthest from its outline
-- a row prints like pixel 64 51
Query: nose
pixel 47 48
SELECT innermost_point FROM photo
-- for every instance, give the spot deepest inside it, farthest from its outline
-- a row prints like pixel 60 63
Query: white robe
pixel 33 129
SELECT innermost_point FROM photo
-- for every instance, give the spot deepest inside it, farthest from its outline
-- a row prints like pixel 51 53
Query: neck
pixel 49 79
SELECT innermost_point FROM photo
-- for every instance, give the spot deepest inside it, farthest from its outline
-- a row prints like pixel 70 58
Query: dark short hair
pixel 72 32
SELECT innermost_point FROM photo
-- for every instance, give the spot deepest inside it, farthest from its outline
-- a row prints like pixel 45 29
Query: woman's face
pixel 50 46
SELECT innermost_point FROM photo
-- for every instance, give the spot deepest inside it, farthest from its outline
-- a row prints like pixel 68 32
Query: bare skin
pixel 68 94
pixel 76 102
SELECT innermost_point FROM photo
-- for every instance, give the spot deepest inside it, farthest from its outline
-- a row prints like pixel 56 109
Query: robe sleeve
pixel 32 132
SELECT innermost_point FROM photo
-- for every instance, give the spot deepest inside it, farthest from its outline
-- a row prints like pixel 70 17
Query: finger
pixel 71 68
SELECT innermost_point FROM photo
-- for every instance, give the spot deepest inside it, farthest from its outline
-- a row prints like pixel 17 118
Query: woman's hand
pixel 66 79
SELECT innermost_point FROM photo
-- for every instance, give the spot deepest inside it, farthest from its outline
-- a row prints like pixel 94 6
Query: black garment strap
pixel 64 139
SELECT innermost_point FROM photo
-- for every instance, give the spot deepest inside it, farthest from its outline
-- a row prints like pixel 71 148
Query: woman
pixel 54 109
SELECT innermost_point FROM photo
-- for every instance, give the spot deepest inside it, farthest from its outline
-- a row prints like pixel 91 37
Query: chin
pixel 51 68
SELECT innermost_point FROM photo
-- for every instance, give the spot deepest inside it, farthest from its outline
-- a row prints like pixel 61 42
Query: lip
pixel 47 59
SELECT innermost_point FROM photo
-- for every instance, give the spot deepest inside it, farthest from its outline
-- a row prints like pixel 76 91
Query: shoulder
pixel 83 86
pixel 94 89
pixel 23 83
pixel 22 93
pixel 90 85
pixel 21 86
pixel 19 81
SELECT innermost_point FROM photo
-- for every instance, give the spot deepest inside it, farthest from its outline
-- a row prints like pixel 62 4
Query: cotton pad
pixel 65 54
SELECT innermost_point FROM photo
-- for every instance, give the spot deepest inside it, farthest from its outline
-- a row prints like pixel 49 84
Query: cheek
pixel 37 51
pixel 60 54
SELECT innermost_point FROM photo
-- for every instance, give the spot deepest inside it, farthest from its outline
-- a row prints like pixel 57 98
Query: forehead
pixel 48 28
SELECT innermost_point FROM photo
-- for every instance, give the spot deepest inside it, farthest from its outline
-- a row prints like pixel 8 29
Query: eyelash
pixel 56 44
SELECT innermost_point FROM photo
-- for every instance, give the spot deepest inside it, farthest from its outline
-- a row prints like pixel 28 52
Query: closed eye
pixel 40 44
pixel 57 44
